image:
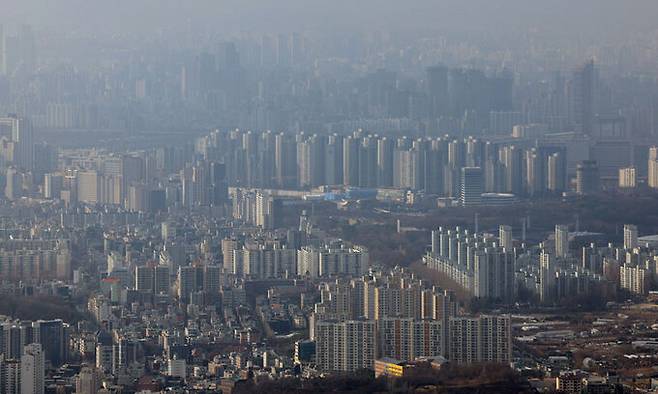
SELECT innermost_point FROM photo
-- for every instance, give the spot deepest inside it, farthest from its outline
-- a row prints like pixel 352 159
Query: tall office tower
pixel 557 173
pixel 212 279
pixel 582 93
pixel 511 158
pixel 33 369
pixel 472 184
pixel 52 335
pixel 385 148
pixel 546 277
pixel 334 160
pixel 190 280
pixel 161 279
pixel 351 161
pixel 87 381
pixel 630 236
pixel 480 339
pixel 627 178
pixel 652 178
pixel 145 279
pixel 285 159
pixel 561 240
pixel 587 177
pixel 505 237
pixel 345 346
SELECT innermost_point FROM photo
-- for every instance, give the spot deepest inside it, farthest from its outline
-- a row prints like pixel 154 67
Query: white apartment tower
pixel 562 240
pixel 32 370
pixel 630 236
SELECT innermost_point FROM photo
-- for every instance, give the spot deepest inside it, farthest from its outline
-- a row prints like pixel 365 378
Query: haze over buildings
pixel 248 196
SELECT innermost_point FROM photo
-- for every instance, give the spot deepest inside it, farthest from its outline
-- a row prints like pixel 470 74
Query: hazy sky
pixel 131 16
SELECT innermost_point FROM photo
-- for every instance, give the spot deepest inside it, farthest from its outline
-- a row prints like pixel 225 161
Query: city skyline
pixel 225 196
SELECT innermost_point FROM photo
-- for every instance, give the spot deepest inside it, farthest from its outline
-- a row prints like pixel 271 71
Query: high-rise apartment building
pixel 345 346
pixel 33 369
pixel 10 370
pixel 480 339
pixel 493 273
pixel 546 277
pixel 557 173
pixel 409 339
pixel 87 381
pixel 505 237
pixel 19 140
pixel 329 261
pixel 630 236
pixel 652 178
pixel 561 241
pixel 627 178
